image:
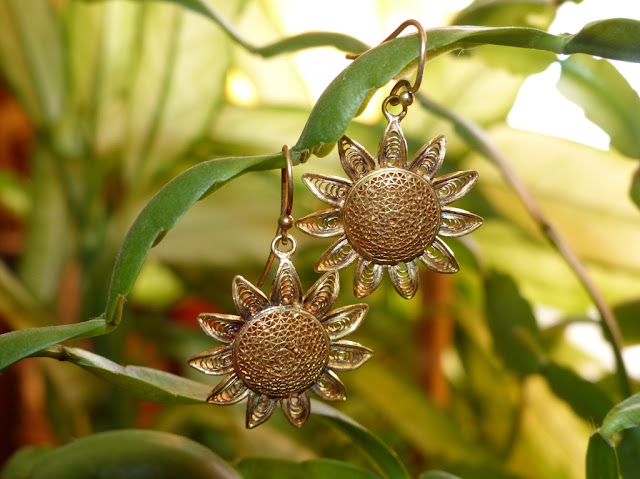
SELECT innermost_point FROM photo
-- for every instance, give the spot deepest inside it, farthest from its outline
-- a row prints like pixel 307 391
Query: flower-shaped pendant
pixel 279 348
pixel 390 213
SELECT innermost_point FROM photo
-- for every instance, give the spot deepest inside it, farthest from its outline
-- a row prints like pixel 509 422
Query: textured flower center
pixel 281 351
pixel 391 215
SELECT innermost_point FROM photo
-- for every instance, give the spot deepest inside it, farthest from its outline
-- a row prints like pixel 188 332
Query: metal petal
pixel 297 408
pixel 322 224
pixel 347 355
pixel 344 321
pixel 339 255
pixel 439 257
pixel 259 409
pixel 367 277
pixel 393 146
pixel 454 185
pixel 404 277
pixel 429 158
pixel 322 295
pixel 330 189
pixel 215 361
pixel 286 288
pixel 248 299
pixel 230 391
pixel 457 222
pixel 355 160
pixel 329 387
pixel 221 327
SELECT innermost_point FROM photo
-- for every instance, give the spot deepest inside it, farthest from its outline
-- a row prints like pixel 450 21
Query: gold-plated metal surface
pixel 391 213
pixel 392 210
pixel 278 348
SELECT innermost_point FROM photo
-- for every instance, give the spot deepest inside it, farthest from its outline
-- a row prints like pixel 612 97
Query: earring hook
pixel 422 36
pixel 285 222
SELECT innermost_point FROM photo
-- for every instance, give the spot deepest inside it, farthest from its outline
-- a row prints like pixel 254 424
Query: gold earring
pixel 279 347
pixel 392 211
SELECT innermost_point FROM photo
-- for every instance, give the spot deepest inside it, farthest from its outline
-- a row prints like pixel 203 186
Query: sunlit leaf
pixel 584 397
pixel 602 461
pixel 143 383
pixel 344 96
pixel 516 337
pixel 259 467
pixel 606 98
pixel 31 57
pixel 383 458
pixel 151 454
pixel 624 415
pixel 17 345
pixel 501 13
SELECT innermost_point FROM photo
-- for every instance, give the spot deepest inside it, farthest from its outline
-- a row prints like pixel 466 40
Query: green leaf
pixel 505 13
pixel 133 453
pixel 584 397
pixel 634 191
pixel 624 415
pixel 627 314
pixel 48 229
pixel 437 475
pixel 21 463
pixel 516 337
pixel 615 38
pixel 17 345
pixel 384 459
pixel 166 208
pixel 342 99
pixel 602 461
pixel 606 98
pixel 628 457
pixel 259 467
pixel 143 383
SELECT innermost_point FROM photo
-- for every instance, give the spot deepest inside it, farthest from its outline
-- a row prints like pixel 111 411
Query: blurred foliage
pixel 142 126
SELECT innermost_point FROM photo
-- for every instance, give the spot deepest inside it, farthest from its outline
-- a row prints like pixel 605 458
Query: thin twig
pixel 482 143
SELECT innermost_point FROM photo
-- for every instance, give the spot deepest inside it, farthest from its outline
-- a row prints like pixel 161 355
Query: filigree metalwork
pixel 279 348
pixel 391 212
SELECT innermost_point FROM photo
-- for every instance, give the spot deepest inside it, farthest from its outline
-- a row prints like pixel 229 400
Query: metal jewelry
pixel 392 211
pixel 279 347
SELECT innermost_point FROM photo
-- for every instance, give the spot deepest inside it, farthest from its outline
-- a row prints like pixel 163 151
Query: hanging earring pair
pixel 389 214
pixel 280 347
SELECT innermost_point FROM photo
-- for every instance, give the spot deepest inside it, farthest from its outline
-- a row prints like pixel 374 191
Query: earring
pixel 392 211
pixel 279 347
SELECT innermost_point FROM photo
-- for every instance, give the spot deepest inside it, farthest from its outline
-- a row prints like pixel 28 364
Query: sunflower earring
pixel 279 347
pixel 392 211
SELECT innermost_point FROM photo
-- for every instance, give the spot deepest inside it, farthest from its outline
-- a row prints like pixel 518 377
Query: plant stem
pixel 480 141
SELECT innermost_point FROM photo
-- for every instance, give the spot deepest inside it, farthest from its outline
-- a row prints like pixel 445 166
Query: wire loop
pixel 285 222
pixel 422 58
